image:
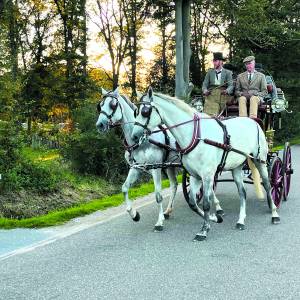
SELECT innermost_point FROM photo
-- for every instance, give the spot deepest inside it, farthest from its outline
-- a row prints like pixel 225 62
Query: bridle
pixel 113 104
pixel 146 108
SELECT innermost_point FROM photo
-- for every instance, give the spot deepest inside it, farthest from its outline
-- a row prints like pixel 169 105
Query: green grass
pixel 62 216
pixel 294 141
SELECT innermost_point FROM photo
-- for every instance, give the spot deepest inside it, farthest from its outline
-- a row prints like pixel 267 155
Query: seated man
pixel 217 86
pixel 250 86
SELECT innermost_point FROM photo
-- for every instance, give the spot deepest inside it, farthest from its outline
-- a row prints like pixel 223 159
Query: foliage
pixel 91 152
pixel 62 216
pixel 19 173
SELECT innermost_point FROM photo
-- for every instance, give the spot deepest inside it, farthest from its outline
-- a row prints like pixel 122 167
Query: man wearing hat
pixel 217 86
pixel 250 86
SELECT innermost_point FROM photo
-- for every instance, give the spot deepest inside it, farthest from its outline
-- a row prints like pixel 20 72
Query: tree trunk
pixel 186 32
pixel 12 37
pixel 179 79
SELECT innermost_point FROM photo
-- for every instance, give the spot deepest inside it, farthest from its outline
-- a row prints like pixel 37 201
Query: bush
pixel 91 152
pixel 18 173
pixel 98 154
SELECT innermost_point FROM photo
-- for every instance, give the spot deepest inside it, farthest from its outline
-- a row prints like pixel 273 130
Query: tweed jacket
pixel 226 80
pixel 257 87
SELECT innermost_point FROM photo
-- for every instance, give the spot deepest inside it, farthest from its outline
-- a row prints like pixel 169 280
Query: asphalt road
pixel 120 259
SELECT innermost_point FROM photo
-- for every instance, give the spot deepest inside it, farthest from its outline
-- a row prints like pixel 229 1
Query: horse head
pixel 109 110
pixel 147 116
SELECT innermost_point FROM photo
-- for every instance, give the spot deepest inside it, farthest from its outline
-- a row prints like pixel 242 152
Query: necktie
pixel 250 77
pixel 217 74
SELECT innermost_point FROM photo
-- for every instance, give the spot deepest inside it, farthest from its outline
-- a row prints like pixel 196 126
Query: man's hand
pixel 246 94
pixel 206 93
pixel 224 92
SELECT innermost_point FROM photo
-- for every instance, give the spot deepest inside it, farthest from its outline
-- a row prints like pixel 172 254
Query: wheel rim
pixel 276 178
pixel 287 174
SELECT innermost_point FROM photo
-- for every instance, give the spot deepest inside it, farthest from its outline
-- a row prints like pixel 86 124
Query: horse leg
pixel 195 185
pixel 171 172
pixel 131 178
pixel 156 174
pixel 219 209
pixel 238 179
pixel 262 168
pixel 207 197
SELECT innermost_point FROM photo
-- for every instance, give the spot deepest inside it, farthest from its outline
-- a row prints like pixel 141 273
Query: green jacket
pixel 226 80
pixel 257 87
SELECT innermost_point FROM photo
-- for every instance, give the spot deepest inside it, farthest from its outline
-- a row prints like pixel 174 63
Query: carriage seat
pixel 233 107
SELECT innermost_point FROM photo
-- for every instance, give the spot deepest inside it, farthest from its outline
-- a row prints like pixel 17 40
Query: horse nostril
pixel 135 138
pixel 100 125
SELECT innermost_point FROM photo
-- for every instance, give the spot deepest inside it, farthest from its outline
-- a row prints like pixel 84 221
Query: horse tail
pixel 256 179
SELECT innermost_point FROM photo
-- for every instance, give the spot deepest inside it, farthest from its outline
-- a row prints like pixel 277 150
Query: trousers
pixel 254 101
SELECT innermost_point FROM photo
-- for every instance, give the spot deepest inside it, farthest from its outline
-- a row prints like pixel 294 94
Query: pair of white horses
pixel 201 162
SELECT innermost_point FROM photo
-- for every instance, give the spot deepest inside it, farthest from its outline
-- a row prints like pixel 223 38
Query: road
pixel 119 259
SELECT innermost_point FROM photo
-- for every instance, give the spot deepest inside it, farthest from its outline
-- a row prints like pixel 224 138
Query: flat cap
pixel 248 59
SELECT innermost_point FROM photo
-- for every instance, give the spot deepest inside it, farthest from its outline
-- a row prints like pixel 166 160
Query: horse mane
pixel 179 103
pixel 131 105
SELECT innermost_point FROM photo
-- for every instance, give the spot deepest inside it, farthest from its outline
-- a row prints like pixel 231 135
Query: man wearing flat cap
pixel 251 86
pixel 217 86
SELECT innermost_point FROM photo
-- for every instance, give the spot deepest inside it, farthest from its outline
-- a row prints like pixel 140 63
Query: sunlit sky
pixel 99 56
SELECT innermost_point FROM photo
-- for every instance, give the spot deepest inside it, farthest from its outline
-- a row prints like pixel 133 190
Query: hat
pixel 218 56
pixel 248 59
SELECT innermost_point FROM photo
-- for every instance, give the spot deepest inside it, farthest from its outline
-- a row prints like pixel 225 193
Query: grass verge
pixel 62 216
pixel 293 141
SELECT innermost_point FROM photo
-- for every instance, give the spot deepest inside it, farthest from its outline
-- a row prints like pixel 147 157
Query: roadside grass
pixel 62 216
pixel 293 141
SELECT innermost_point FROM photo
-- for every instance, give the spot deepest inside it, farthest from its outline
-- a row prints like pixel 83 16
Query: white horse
pixel 116 109
pixel 201 159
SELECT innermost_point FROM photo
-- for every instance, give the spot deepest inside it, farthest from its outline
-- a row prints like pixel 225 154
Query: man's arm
pixel 229 89
pixel 238 91
pixel 263 87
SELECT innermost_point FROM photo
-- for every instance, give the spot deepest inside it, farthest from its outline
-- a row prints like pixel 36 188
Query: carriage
pixel 269 118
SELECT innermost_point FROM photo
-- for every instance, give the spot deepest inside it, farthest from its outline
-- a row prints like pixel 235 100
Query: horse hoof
pixel 240 226
pixel 158 228
pixel 220 212
pixel 275 220
pixel 199 238
pixel 167 216
pixel 137 217
pixel 219 218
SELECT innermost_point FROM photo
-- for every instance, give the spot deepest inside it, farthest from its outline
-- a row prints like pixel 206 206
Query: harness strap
pixel 226 139
pixel 195 139
pixel 230 148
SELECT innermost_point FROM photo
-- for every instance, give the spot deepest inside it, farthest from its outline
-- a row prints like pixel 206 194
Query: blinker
pixel 146 111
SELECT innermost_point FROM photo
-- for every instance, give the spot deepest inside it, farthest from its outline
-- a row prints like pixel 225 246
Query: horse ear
pixel 116 92
pixel 150 93
pixel 104 91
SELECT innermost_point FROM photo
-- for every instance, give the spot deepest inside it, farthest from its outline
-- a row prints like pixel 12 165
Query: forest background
pixel 55 55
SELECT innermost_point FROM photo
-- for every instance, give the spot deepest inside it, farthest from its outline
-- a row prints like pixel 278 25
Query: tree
pixel 183 51
pixel 160 74
pixel 73 16
pixel 135 13
pixel 112 29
